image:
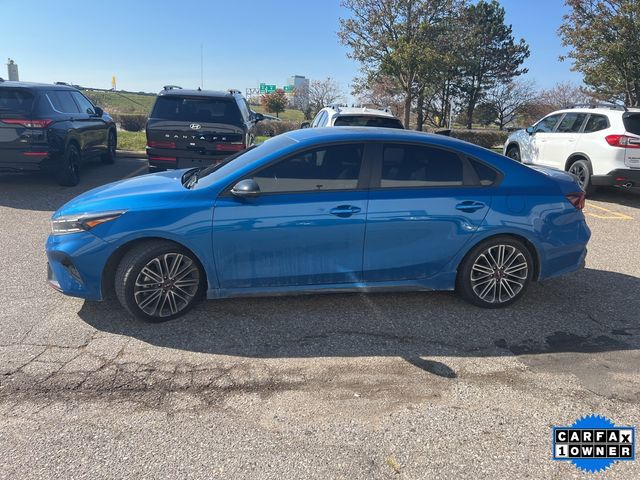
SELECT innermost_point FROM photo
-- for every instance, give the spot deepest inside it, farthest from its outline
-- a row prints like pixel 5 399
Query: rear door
pixel 425 205
pixel 16 106
pixel 632 151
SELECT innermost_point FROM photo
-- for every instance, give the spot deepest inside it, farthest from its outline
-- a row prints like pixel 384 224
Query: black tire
pixel 505 289
pixel 68 174
pixel 110 157
pixel 582 170
pixel 134 288
pixel 513 152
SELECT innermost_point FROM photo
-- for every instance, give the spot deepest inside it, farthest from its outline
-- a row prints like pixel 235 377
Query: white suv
pixel 599 144
pixel 337 116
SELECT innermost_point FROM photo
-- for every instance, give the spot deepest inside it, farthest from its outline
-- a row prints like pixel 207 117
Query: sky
pixel 148 44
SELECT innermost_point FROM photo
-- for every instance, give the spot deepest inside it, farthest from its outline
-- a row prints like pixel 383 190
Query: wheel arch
pixel 527 243
pixel 109 270
pixel 512 144
pixel 575 157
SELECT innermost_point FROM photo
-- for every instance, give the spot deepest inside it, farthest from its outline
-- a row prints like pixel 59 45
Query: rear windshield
pixel 632 123
pixel 13 100
pixel 196 109
pixel 367 121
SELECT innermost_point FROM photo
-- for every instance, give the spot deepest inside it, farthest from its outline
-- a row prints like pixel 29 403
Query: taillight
pixel 28 123
pixel 229 147
pixel 161 144
pixel 576 199
pixel 623 141
pixel 163 159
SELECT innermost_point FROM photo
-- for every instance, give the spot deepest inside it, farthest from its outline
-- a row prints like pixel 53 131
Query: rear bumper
pixel 28 160
pixel 619 177
pixel 165 158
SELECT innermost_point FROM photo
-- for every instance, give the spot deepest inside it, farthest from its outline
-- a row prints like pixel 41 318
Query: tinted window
pixel 317 119
pixel 486 175
pixel 548 124
pixel 571 123
pixel 244 108
pixel 367 121
pixel 15 101
pixel 197 109
pixel 62 101
pixel 595 123
pixel 632 123
pixel 322 121
pixel 85 105
pixel 420 166
pixel 329 168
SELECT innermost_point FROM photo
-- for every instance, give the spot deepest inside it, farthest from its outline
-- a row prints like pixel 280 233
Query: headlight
pixel 82 223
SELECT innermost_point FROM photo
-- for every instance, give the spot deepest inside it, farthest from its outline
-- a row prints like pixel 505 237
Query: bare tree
pixel 380 92
pixel 323 93
pixel 507 99
pixel 562 95
pixel 300 100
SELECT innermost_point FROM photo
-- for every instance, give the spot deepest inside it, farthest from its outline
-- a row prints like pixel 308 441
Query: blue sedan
pixel 322 210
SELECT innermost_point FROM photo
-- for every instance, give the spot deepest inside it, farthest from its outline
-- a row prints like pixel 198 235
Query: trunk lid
pixel 632 150
pixel 202 138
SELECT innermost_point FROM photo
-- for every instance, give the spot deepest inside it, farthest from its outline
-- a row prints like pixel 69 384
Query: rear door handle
pixel 470 206
pixel 344 211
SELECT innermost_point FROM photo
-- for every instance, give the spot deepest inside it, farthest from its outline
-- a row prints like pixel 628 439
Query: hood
pixel 141 192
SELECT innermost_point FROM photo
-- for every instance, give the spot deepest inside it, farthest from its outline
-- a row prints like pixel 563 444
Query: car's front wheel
pixel 110 156
pixel 513 152
pixel 158 281
pixel 495 273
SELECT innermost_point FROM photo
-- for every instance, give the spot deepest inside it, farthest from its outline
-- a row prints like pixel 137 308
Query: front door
pixel 542 140
pixel 305 228
pixel 426 205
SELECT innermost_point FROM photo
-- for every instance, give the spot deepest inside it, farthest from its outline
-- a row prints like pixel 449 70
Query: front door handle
pixel 344 211
pixel 470 206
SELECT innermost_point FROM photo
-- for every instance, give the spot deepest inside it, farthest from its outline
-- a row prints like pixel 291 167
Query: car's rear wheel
pixel 69 173
pixel 513 152
pixel 495 273
pixel 110 156
pixel 582 171
pixel 158 281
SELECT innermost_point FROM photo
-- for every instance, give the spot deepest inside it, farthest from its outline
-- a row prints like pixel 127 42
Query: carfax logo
pixel 594 443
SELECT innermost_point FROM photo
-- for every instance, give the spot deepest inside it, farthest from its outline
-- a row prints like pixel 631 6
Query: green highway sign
pixel 288 88
pixel 265 88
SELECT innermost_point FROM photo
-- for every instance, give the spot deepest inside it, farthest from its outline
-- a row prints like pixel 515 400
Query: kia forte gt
pixel 322 210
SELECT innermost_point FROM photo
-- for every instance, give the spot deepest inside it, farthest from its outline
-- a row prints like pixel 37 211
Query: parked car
pixel 337 116
pixel 197 128
pixel 600 144
pixel 53 128
pixel 290 216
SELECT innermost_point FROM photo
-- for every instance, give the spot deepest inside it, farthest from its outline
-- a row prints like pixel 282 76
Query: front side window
pixel 420 166
pixel 571 123
pixel 62 101
pixel 596 123
pixel 317 119
pixel 547 125
pixel 335 167
pixel 85 105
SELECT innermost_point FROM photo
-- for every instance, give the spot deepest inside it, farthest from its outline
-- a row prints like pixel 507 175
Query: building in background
pixel 300 91
pixel 12 68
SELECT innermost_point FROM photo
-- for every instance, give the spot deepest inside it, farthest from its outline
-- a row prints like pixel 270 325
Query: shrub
pixel 131 122
pixel 483 138
pixel 271 128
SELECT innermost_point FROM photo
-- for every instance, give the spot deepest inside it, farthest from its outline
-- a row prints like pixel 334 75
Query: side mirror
pixel 305 124
pixel 246 188
pixel 258 117
pixel 531 130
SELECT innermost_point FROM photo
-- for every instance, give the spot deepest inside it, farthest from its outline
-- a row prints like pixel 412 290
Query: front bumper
pixel 621 177
pixel 75 264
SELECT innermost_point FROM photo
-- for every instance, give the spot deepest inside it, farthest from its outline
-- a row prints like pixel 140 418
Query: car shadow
pixel 629 197
pixel 590 311
pixel 39 191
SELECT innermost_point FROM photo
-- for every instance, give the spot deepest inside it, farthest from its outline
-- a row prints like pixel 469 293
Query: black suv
pixel 196 128
pixel 53 128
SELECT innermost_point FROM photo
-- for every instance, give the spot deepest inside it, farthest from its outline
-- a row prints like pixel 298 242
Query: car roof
pixel 35 86
pixel 599 110
pixel 181 92
pixel 322 135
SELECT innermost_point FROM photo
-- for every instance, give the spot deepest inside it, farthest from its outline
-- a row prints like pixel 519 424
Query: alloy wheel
pixel 499 273
pixel 581 173
pixel 166 285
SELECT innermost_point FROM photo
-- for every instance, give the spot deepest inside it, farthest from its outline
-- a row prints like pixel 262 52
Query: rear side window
pixel 62 101
pixel 420 166
pixel 367 121
pixel 596 123
pixel 571 123
pixel 336 167
pixel 13 100
pixel 486 175
pixel 197 109
pixel 632 123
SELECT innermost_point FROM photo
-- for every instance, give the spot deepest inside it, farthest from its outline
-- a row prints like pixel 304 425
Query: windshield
pixel 13 100
pixel 214 173
pixel 367 121
pixel 196 109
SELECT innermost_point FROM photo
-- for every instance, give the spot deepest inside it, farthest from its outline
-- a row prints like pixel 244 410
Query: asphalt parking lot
pixel 409 385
